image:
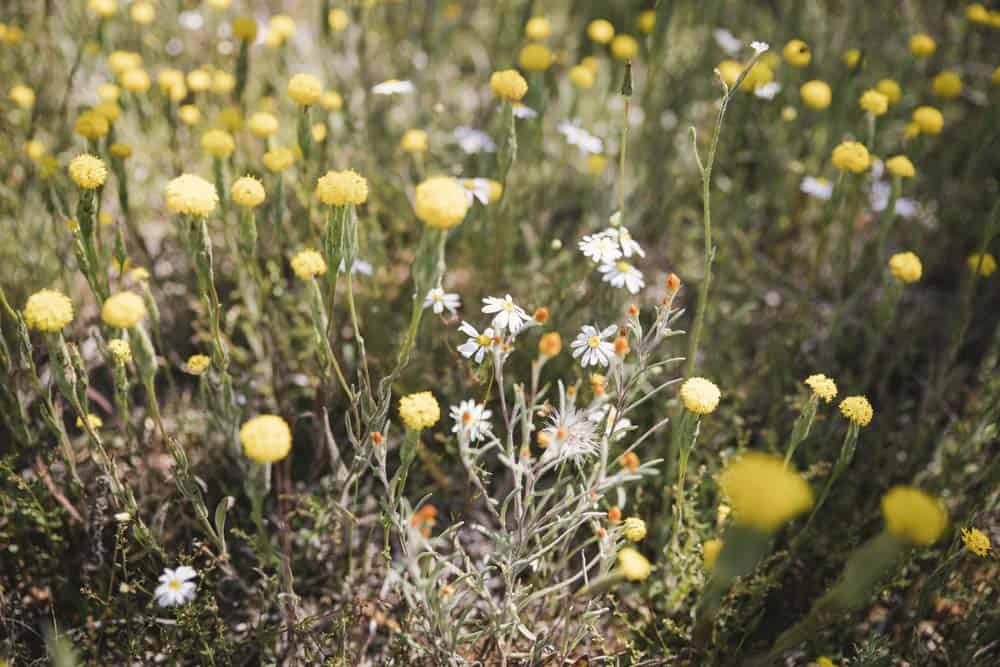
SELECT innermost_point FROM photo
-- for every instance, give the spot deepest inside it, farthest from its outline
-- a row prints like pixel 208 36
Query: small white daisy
pixel 601 248
pixel 359 266
pixel 175 586
pixel 523 111
pixel 622 274
pixel 438 300
pixel 768 90
pixel 471 420
pixel 473 141
pixel 820 188
pixel 577 136
pixel 629 245
pixel 759 47
pixel 727 41
pixel 393 87
pixel 592 348
pixel 508 315
pixel 477 189
pixel 478 344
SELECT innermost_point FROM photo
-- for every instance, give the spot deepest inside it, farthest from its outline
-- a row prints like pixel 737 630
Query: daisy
pixel 477 189
pixel 820 188
pixel 509 315
pixel 571 435
pixel 575 135
pixel 175 586
pixel 601 248
pixel 438 300
pixel 629 245
pixel 393 87
pixel 358 266
pixel 591 348
pixel 478 344
pixel 759 47
pixel 622 274
pixel 727 41
pixel 473 141
pixel 472 420
pixel 523 111
pixel 767 91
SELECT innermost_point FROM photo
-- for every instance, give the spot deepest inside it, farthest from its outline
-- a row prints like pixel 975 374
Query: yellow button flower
pixel 341 188
pixel 763 492
pixel 308 264
pixel 535 58
pixel 797 53
pixel 266 438
pixel 976 541
pixel 278 159
pixel 851 58
pixel 538 28
pixel 419 411
pixel 248 192
pixel 91 125
pixel 123 310
pixel 262 124
pixel 822 386
pixel 890 88
pixel 143 13
pixel 624 47
pixel 851 156
pixel 197 364
pixel 913 516
pixel 646 21
pixel 88 172
pixel 922 45
pixel 634 529
pixel 48 310
pixel 509 85
pixel 982 263
pixel 191 195
pixel 900 165
pixel 305 89
pixel 581 77
pixel 601 31
pixel 120 351
pixel 857 410
pixel 710 551
pixel 440 202
pixel 634 566
pixel 905 267
pixel 816 94
pixel 947 85
pixel 414 141
pixel 700 396
pixel 218 143
pixel 928 119
pixel 22 96
pixel 338 20
pixel 874 102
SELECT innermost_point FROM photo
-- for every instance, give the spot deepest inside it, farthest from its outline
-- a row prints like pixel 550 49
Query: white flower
pixel 438 300
pixel 473 141
pixel 591 348
pixel 524 111
pixel 175 587
pixel 820 188
pixel 358 266
pixel 509 316
pixel 629 245
pixel 622 274
pixel 759 47
pixel 575 135
pixel 471 420
pixel 571 434
pixel 727 41
pixel 768 90
pixel 601 248
pixel 393 87
pixel 478 344
pixel 477 189
pixel 880 193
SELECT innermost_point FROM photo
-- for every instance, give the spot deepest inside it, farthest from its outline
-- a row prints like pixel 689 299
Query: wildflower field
pixel 520 332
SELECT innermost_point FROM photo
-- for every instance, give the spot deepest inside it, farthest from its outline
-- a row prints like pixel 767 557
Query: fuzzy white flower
pixel 727 41
pixel 759 47
pixel 472 141
pixel 768 90
pixel 622 274
pixel 577 136
pixel 393 87
pixel 507 315
pixel 438 300
pixel 523 111
pixel 880 193
pixel 175 586
pixel 820 188
pixel 629 245
pixel 592 348
pixel 478 344
pixel 472 420
pixel 572 436
pixel 359 266
pixel 601 248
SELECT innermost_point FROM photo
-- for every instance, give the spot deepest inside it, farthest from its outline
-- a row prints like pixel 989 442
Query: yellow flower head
pixel 110 110
pixel 646 21
pixel 108 92
pixel 922 45
pixel 440 202
pixel 136 80
pixel 928 119
pixel 905 267
pixel 414 141
pixel 538 28
pixel 535 58
pixel 700 396
pixel 816 94
pixel 982 263
pixel 223 83
pixel 248 192
pixel 278 159
pixel 419 411
pixel 245 28
pixel 305 89
pixel 581 76
pixel 308 264
pixel 901 166
pixel 976 541
pixel 913 516
pixel 262 124
pixel 91 125
pixel 88 172
pixel 890 89
pixel 857 410
pixel 143 13
pixel 331 100
pixel 120 150
pixel 710 550
pixel 266 438
pixel 191 195
pixel 550 344
pixel 342 188
pixel 624 47
pixel 851 58
pixel 93 421
pixel 874 102
pixel 509 85
pixel 281 27
pixel 977 13
pixel 797 53
pixel 199 80
pixel 189 114
pixel 48 310
pixel 601 31
pixel 218 143
pixel 338 19
pixel 318 132
pixel 123 310
pixel 122 61
pixel 103 8
pixel 634 529
pixel 596 164
pixel 197 364
pixel 633 564
pixel 22 96
pixel 759 75
pixel 851 156
pixel 822 386
pixel 763 492
pixel 119 350
pixel 947 85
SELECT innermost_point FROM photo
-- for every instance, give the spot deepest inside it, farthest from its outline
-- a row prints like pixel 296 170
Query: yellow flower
pixel 822 661
pixel 624 47
pixel 108 92
pixel 816 94
pixel 851 58
pixel 143 13
pixel 282 26
pixel 440 202
pixel 857 410
pixel 874 102
pixel 947 85
pixel 976 541
pixel 103 8
pixel 136 80
pixel 88 172
pixel 91 125
pixel 120 351
pixel 901 166
pixel 700 396
pixel 581 76
pixel 197 364
pixel 913 516
pixel 928 119
pixel 509 85
pixel 538 28
pixel 633 564
pixel 199 80
pixel 822 386
pixel 341 188
pixel 890 88
pixel 122 61
pixel 710 550
pixel 338 19
pixel 266 438
pixel 414 141
pixel 535 58
pixel 120 150
pixel 93 420
pixel 977 13
pixel 170 78
pixel 759 75
pixel 591 63
pixel 550 344
pixel 22 96
pixel 601 31
pixel 191 195
pixel 318 132
pixel 248 192
pixel 278 159
pixel 110 110
pixel 48 310
pixel 905 267
pixel 223 82
pixel 647 21
pixel 851 156
pixel 982 263
pixel 763 492
pixel 331 100
pixel 189 114
pixel 634 529
pixel 996 76
pixel 419 411
pixel 218 143
pixel 262 124
pixel 308 264
pixel 596 164
pixel 123 310
pixel 305 89
pixel 34 149
pixel 922 45
pixel 797 53
pixel 245 28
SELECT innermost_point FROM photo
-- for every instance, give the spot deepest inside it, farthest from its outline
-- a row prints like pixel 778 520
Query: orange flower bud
pixel 614 514
pixel 550 344
pixel 633 310
pixel 673 282
pixel 621 346
pixel 541 315
pixel 630 461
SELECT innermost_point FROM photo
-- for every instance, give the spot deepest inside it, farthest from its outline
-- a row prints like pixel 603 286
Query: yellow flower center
pixel 483 340
pixel 174 585
pixel 466 417
pixel 508 306
pixel 594 342
pixel 623 266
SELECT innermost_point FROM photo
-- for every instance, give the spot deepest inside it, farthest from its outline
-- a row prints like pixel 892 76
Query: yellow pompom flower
pixel 535 58
pixel 414 141
pixel 245 28
pixel 900 165
pixel 119 351
pixel 624 47
pixel 308 264
pixel 342 188
pixel 48 310
pixel 218 143
pixel 591 63
pixel 262 124
pixel 223 83
pixel 331 100
pixel 976 541
pixel 905 267
pixel 197 364
pixel 550 344
pixel 700 396
pixel 318 131
pixel 88 172
pixel 191 195
pixel 108 92
pixel 143 13
pixel 440 202
pixel 93 421
pixel 509 85
pixel 419 411
pixel 266 438
pixel 763 492
pixel 822 386
pixel 760 74
pixel 596 164
pixel 123 310
pixel 282 26
pixel 797 53
pixel 278 159
pixel 634 529
pixel 995 79
pixel 816 94
pixel 646 21
pixel 338 20
pixel 857 410
pixel 122 61
pixel 874 102
pixel 248 192
pixel 928 119
pixel 851 156
pixel 91 125
pixel 110 110
pixel 121 150
pixel 136 80
pixel 851 58
pixel 601 31
pixel 922 45
pixel 947 85
pixel 710 550
pixel 103 8
pixel 189 114
pixel 199 80
pixel 633 565
pixel 982 263
pixel 913 516
pixel 977 13
pixel 538 28
pixel 890 88
pixel 22 96
pixel 581 76
pixel 305 89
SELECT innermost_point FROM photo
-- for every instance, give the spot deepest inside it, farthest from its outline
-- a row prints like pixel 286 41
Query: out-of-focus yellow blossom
pixel 913 516
pixel 906 267
pixel 48 310
pixel 922 45
pixel 947 85
pixel 143 13
pixel 245 28
pixel 189 114
pixel 596 164
pixel 538 28
pixel 318 131
pixel 874 102
pixel 266 438
pixel 136 80
pixel 440 202
pixel 760 74
pixel 262 124
pixel 928 119
pixel 120 149
pixel 34 149
pixel 223 82
pixel 122 61
pixel 601 31
pixel 110 110
pixel 123 310
pixel 535 58
pixel 851 156
pixel 983 264
pixel 248 192
pixel 710 550
pixel 120 351
pixel 763 491
pixel 647 21
pixel 414 141
pixel 199 80
pixel 278 159
pixel 230 119
pixel 218 143
pixel 22 96
pixel 581 76
pixel 509 85
pixel 331 101
pixel 342 188
pixel 977 13
pixel 305 89
pixel 851 58
pixel 93 421
pixel 419 411
pixel 816 94
pixel 219 4
pixel 197 364
pixel 797 53
pixel 822 386
pixel 900 165
pixel 87 171
pixel 550 344
pixel 108 92
pixel 103 8
pixel 857 410
pixel 91 125
pixel 890 88
pixel 191 195
pixel 308 264
pixel 624 47
pixel 591 63
pixel 281 27
pixel 338 20
pixel 634 566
